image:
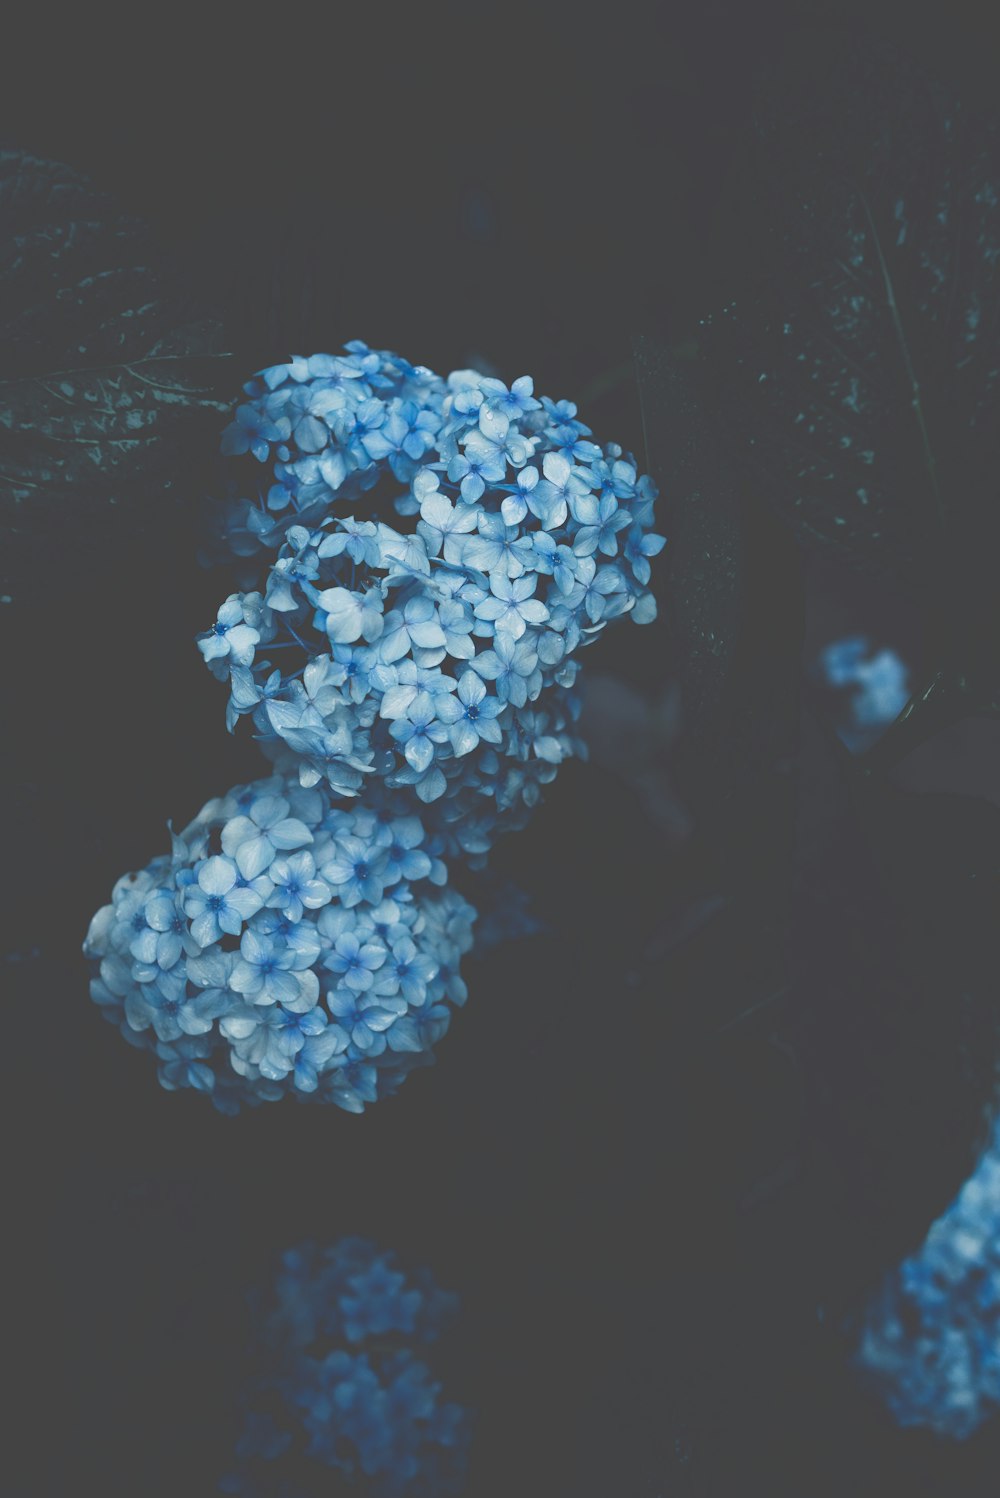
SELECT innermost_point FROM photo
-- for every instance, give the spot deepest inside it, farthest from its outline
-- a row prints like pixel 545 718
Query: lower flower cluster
pixel 342 1385
pixel 285 946
pixel 931 1342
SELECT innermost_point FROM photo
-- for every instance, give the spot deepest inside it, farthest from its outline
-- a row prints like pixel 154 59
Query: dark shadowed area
pixel 674 1136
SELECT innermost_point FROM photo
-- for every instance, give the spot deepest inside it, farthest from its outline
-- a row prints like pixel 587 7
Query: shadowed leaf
pixel 858 381
pixel 703 589
pixel 112 384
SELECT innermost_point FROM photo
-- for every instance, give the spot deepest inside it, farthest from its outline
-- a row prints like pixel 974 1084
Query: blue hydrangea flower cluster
pixel 286 946
pixel 438 550
pixel 290 947
pixel 931 1341
pixel 875 684
pixel 343 1384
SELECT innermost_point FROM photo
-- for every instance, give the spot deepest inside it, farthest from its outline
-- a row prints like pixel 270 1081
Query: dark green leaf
pixel 113 383
pixel 858 381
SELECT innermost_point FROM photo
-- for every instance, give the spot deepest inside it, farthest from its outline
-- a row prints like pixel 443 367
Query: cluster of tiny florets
pixel 436 553
pixel 438 550
pixel 343 1383
pixel 285 946
pixel 931 1340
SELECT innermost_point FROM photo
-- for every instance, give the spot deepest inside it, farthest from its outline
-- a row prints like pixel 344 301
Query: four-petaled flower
pixel 219 902
pixel 513 606
pixel 355 962
pixel 252 841
pixel 470 715
pixel 513 665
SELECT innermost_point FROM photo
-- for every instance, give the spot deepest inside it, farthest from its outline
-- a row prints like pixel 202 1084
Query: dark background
pixel 643 1200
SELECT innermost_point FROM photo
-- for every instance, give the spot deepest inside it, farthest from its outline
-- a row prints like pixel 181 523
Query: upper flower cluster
pixel 285 946
pixel 440 550
pixel 343 1378
pixel 932 1336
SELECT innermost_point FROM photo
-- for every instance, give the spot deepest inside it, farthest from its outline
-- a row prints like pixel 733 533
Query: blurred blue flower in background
pixel 340 1341
pixel 931 1339
pixel 874 688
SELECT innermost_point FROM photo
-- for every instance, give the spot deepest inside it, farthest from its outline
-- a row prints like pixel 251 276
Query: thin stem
pixel 915 401
pixel 940 702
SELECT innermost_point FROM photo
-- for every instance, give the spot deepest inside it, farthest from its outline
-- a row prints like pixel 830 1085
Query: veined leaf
pixel 858 382
pixel 112 385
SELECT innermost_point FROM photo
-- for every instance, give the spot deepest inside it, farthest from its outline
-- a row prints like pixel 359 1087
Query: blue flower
pixel 876 686
pixel 505 486
pixel 494 549
pixel 261 974
pixel 192 1012
pixel 513 665
pixel 162 939
pixel 357 871
pixel 439 518
pixel 929 1340
pixel 251 1024
pixel 603 534
pixel 470 715
pixel 252 841
pixel 348 616
pixel 408 972
pixel 473 472
pixel 338 1374
pixel 216 903
pixel 356 539
pixel 416 626
pixel 362 1019
pixel 640 545
pixel 379 1302
pixel 515 402
pixel 419 730
pixel 512 607
pixel 377 707
pixel 497 439
pixel 356 963
pixel 230 637
pixel 352 668
pixel 296 888
pixel 253 431
pixel 405 855
pixel 306 411
pixel 317 1052
pixel 560 489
